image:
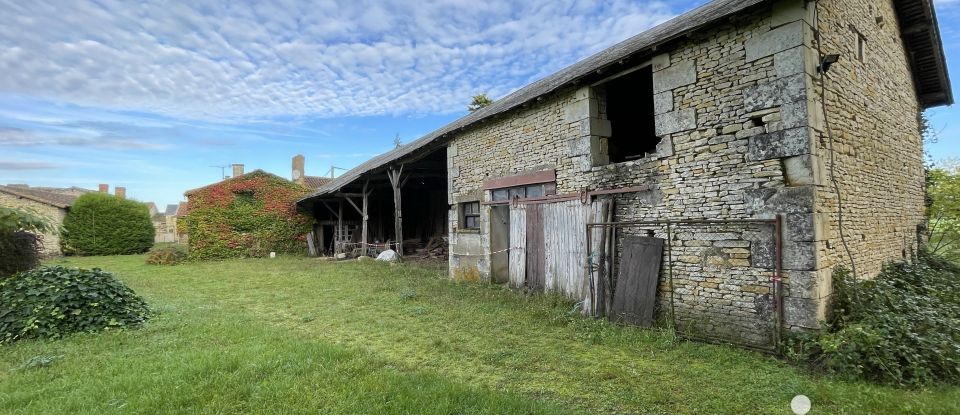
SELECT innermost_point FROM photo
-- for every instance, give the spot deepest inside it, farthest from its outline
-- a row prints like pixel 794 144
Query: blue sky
pixel 150 95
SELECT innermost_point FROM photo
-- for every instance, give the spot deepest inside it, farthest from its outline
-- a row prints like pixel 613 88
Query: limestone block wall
pixel 51 240
pixel 741 132
pixel 873 110
pixel 732 110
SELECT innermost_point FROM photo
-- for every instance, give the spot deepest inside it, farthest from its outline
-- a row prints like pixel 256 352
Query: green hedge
pixel 52 302
pixel 101 224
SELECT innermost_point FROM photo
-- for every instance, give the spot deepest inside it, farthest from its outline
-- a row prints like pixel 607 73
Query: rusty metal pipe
pixel 777 284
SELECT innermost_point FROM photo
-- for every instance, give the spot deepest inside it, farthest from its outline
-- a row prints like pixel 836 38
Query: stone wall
pixel 873 113
pixel 741 138
pixel 51 240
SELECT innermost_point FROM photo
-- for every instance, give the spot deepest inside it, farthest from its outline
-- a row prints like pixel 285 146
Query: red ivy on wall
pixel 249 215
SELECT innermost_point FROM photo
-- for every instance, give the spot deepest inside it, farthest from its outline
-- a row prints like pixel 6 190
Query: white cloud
pixel 16 137
pixel 17 165
pixel 222 61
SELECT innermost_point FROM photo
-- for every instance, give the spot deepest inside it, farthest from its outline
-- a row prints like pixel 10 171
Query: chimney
pixel 297 168
pixel 237 170
pixel 104 188
pixel 121 192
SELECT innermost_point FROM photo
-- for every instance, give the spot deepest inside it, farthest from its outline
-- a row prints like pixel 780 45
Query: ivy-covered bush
pixel 167 255
pixel 246 216
pixel 101 224
pixel 20 241
pixel 901 328
pixel 52 302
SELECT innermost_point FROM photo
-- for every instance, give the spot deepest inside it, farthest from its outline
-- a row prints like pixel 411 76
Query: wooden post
pixel 336 232
pixel 364 213
pixel 394 176
pixel 339 238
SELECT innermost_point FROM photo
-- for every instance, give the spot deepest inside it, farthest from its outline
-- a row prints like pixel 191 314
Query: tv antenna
pixel 332 168
pixel 223 170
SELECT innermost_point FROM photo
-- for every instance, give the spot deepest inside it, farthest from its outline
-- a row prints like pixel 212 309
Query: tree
pixel 943 190
pixel 479 101
pixel 20 242
pixel 101 224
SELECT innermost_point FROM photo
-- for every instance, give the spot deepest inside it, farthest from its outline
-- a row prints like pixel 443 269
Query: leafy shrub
pixel 20 243
pixel 901 328
pixel 13 219
pixel 19 251
pixel 246 216
pixel 167 255
pixel 101 224
pixel 52 302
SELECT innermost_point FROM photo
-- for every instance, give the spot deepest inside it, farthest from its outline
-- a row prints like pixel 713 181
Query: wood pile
pixel 436 247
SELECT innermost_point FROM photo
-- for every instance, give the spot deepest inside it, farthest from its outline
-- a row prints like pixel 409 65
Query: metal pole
pixel 593 296
pixel 673 314
pixel 777 285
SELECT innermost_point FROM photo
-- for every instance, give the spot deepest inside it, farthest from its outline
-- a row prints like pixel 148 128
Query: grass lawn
pixel 298 335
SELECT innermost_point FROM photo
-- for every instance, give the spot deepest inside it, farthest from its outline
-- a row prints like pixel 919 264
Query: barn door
pixel 535 248
pixel 636 292
pixel 500 243
pixel 518 240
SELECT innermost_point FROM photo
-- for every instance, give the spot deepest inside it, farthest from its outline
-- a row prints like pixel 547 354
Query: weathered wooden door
pixel 500 243
pixel 565 250
pixel 535 248
pixel 518 238
pixel 636 292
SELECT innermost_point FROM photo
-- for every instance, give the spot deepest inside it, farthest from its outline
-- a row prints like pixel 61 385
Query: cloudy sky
pixel 151 95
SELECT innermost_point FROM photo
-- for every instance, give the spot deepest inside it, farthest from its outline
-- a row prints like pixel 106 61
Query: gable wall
pixel 873 113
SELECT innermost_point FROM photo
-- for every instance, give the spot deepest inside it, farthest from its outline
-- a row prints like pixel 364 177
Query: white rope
pixel 491 253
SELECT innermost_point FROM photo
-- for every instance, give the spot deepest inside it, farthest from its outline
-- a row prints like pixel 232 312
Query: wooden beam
pixel 545 176
pixel 352 203
pixel 339 235
pixel 330 209
pixel 394 176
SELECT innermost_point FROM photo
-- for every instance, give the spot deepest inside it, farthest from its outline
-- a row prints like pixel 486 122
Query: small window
pixel 629 108
pixel 523 192
pixel 471 215
pixel 860 44
pixel 535 191
pixel 861 47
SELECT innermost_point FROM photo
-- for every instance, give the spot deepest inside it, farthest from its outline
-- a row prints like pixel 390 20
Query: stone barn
pixel 728 160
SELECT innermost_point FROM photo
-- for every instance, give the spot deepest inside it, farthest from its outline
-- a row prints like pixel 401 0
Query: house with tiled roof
pixel 52 203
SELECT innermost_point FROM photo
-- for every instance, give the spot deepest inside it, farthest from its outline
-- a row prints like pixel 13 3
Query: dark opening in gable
pixel 630 111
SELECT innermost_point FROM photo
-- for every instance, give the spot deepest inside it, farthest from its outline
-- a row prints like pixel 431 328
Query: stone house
pixel 53 203
pixel 244 214
pixel 801 116
pixel 165 223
